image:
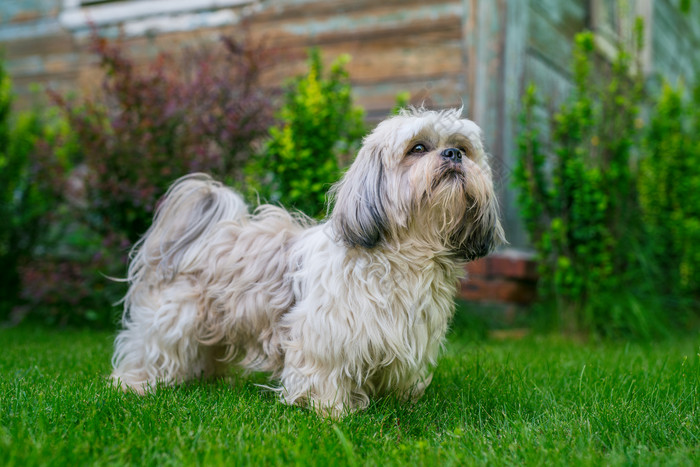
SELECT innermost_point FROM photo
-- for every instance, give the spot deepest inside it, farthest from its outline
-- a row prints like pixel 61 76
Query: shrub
pixel 319 132
pixel 579 200
pixel 69 283
pixel 202 111
pixel 28 192
pixel 199 112
pixel 670 190
pixel 60 272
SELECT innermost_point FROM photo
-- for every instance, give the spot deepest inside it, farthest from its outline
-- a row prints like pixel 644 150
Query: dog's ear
pixel 479 233
pixel 359 215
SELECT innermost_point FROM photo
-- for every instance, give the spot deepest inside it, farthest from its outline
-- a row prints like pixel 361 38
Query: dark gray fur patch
pixel 477 238
pixel 370 225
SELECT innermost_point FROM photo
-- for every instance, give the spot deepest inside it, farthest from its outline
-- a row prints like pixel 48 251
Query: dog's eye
pixel 418 148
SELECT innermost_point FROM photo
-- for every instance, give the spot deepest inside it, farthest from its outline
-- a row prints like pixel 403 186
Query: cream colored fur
pixel 337 312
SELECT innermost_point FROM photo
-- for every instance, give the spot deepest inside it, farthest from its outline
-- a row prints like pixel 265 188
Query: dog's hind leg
pixel 159 343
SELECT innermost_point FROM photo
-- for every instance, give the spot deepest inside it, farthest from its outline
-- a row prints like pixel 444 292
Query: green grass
pixel 534 401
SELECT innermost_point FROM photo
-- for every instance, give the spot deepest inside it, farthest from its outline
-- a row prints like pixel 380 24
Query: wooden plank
pixel 550 42
pixel 381 63
pixel 295 9
pixel 371 24
pixel 674 45
pixel 379 98
pixel 19 11
pixel 515 52
pixel 569 16
pixel 553 87
pixel 53 44
pixel 470 62
pixel 487 41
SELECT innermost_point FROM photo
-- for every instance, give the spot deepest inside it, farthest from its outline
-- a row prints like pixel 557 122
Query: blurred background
pixel 590 110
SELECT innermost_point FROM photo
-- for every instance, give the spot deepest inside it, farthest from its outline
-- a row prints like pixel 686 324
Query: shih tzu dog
pixel 339 311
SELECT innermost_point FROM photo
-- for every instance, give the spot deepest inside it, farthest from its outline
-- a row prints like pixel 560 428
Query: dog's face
pixel 422 176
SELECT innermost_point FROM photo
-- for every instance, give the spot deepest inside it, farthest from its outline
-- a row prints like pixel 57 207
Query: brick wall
pixel 507 277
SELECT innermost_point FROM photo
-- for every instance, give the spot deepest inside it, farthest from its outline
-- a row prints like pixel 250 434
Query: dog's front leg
pixel 323 361
pixel 318 384
pixel 414 388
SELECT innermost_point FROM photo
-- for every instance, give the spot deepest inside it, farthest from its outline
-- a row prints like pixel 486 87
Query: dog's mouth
pixel 451 172
pixel 449 175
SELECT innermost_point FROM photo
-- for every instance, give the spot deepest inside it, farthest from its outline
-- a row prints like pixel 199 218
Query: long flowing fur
pixel 338 311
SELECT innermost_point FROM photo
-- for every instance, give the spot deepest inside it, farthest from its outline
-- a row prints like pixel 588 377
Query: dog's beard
pixel 456 207
pixel 431 199
pixel 452 172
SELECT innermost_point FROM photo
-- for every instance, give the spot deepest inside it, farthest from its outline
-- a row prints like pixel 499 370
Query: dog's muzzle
pixel 451 164
pixel 452 155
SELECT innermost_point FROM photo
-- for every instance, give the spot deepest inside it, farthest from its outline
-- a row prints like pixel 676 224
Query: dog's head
pixel 421 176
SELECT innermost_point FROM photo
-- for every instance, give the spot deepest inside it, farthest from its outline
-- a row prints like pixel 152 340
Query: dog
pixel 337 312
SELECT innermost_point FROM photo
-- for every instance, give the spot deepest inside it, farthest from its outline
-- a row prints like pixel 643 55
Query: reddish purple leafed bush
pixel 201 111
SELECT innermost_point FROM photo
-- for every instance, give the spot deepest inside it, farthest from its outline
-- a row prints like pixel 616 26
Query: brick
pixel 516 268
pixel 509 263
pixel 480 267
pixel 498 290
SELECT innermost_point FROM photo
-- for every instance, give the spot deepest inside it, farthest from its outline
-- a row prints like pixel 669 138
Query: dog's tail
pixel 188 212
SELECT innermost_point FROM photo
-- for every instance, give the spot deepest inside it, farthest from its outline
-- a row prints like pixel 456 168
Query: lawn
pixel 531 401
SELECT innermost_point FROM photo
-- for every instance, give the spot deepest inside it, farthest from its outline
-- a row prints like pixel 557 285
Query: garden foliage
pixel 601 266
pixel 28 191
pixel 111 156
pixel 669 188
pixel 611 205
pixel 319 132
pixel 155 123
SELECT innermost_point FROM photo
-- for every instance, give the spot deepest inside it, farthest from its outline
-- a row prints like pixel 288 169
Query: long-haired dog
pixel 337 311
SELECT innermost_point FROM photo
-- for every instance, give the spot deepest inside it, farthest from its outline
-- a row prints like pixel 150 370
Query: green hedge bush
pixel 613 240
pixel 320 131
pixel 30 191
pixel 669 188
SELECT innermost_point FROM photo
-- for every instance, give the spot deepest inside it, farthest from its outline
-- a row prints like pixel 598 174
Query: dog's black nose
pixel 453 154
